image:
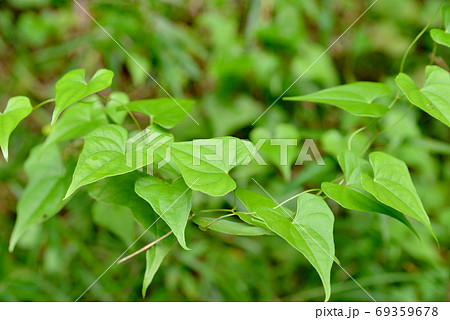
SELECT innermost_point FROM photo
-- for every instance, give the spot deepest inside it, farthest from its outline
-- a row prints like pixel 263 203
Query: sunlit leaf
pixel 310 230
pixel 105 153
pixel 172 202
pixel 166 112
pixel 72 87
pixel 356 98
pixel 392 185
pixel 17 109
pixel 443 36
pixel 434 97
pixel 354 197
pixel 208 161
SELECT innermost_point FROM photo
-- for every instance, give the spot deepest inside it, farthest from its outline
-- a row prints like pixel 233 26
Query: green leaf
pixel 356 198
pixel 72 87
pixel 172 202
pixel 166 112
pixel 194 160
pixel 310 231
pixel 115 108
pixel 43 195
pixel 443 36
pixel 155 256
pixel 352 165
pixel 392 185
pixel 230 227
pixel 105 155
pixel 434 97
pixel 356 98
pixel 272 150
pixel 119 190
pixel 17 109
pixel 78 121
pixel 116 219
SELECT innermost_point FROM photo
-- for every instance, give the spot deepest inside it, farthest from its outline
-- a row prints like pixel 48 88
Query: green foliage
pixel 392 185
pixel 172 202
pixel 434 97
pixel 443 36
pixel 72 87
pixel 153 182
pixel 356 98
pixel 17 109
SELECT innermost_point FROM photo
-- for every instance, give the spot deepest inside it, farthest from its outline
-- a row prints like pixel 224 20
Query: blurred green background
pixel 234 58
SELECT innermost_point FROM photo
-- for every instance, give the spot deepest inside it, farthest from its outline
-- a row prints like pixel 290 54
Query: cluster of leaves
pixel 381 185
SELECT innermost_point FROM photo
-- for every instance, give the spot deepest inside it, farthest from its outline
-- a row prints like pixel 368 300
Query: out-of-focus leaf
pixel 276 142
pixel 434 97
pixel 356 98
pixel 115 108
pixel 73 87
pixel 17 109
pixel 44 193
pixel 352 166
pixel 172 202
pixel 116 219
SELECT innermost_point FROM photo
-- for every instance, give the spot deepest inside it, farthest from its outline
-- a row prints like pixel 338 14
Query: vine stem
pixel 126 108
pixel 349 143
pixel 42 103
pixel 402 64
pixel 150 245
pixel 293 197
pixel 219 218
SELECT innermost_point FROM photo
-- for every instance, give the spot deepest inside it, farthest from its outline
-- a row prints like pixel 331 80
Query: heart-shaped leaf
pixel 434 97
pixel 105 153
pixel 172 202
pixel 166 112
pixel 392 185
pixel 78 121
pixel 42 198
pixel 310 231
pixel 119 190
pixel 72 87
pixel 17 109
pixel 208 161
pixel 443 36
pixel 356 98
pixel 230 227
pixel 356 198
